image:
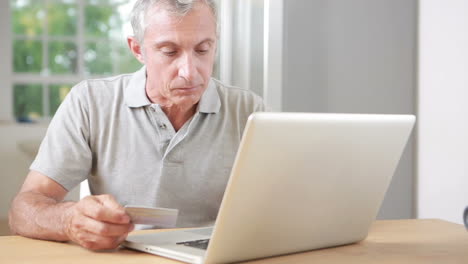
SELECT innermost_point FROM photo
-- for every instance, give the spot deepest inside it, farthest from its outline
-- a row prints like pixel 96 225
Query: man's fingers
pixel 104 228
pixel 98 222
pixel 104 208
pixel 96 242
pixel 109 201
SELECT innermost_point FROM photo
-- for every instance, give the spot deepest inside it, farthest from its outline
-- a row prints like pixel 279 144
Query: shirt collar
pixel 135 94
pixel 210 102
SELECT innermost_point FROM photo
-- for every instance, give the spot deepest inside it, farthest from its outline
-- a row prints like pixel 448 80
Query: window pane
pixel 97 58
pixel 105 21
pixel 27 102
pixel 27 56
pixel 125 61
pixel 100 20
pixel 57 93
pixel 62 57
pixel 28 17
pixel 62 18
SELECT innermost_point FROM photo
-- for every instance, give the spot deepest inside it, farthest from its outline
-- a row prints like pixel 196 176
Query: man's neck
pixel 179 115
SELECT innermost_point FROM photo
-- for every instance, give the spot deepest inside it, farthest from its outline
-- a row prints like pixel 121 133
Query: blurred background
pixel 360 56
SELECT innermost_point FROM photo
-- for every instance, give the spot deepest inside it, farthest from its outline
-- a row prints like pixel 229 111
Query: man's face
pixel 179 54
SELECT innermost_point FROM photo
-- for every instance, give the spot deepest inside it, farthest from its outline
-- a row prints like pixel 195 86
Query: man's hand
pixel 97 222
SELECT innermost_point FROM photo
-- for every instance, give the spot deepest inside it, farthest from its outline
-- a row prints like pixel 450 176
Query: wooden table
pixel 389 241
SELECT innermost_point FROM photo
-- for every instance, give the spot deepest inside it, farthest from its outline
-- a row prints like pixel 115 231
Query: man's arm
pixel 95 222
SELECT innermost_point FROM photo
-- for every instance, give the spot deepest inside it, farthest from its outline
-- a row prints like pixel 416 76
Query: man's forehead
pixel 164 17
pixel 195 27
pixel 170 42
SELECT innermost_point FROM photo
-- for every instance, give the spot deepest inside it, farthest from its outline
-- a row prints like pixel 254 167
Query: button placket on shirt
pixel 169 138
pixel 166 132
pixel 180 136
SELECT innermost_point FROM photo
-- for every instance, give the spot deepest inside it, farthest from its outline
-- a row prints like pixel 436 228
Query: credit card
pixel 157 217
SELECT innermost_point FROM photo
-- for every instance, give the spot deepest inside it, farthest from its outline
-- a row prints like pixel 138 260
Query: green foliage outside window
pixel 63 57
pixel 28 101
pixel 27 56
pixel 98 58
pixel 46 44
pixel 28 17
pixel 125 63
pixel 100 20
pixel 62 18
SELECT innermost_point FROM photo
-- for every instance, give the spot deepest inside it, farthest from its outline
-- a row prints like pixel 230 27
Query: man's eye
pixel 169 53
pixel 202 51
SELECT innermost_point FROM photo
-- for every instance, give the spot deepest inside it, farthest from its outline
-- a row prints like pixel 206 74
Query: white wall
pixel 247 45
pixel 14 163
pixel 443 110
pixel 5 62
pixel 354 57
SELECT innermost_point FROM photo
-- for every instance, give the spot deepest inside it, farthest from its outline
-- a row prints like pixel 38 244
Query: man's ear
pixel 135 48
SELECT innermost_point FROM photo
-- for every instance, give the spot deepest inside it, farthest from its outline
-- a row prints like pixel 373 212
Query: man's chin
pixel 187 95
pixel 187 100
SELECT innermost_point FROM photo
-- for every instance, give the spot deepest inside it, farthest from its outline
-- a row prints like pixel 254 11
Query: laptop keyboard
pixel 202 243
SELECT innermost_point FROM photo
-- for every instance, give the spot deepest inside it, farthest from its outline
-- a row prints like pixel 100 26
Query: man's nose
pixel 187 67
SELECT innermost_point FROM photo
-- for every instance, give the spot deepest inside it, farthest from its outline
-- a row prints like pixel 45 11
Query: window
pixel 57 43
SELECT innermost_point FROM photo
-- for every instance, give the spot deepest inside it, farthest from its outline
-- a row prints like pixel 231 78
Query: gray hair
pixel 178 7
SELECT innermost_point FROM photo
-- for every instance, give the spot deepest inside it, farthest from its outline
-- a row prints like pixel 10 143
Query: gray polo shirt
pixel 107 131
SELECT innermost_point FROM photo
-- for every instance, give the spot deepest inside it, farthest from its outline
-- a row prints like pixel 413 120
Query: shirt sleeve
pixel 65 155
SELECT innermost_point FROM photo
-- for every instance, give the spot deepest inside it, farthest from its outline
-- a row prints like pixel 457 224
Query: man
pixel 165 136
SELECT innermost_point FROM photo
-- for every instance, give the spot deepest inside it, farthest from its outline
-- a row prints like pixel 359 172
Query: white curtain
pixel 241 43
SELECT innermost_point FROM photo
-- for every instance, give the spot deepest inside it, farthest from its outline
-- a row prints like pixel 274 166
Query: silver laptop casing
pixel 300 181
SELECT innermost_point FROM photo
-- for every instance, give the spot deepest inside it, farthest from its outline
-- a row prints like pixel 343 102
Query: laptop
pixel 300 181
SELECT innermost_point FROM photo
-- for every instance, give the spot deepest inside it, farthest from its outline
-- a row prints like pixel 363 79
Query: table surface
pixel 389 241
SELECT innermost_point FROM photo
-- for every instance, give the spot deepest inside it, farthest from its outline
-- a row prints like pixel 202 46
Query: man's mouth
pixel 187 88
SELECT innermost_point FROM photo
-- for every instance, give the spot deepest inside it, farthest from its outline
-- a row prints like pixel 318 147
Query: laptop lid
pixel 300 182
pixel 304 181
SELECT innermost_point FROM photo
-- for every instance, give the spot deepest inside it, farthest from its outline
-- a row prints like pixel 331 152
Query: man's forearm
pixel 37 216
